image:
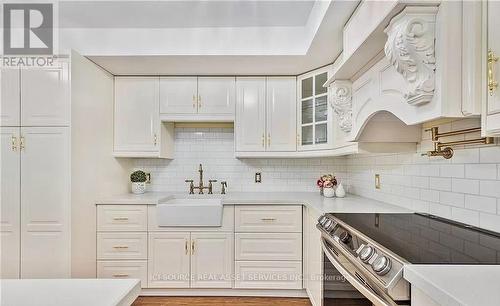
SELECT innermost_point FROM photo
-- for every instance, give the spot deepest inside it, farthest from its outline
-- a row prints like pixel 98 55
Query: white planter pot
pixel 138 187
pixel 328 192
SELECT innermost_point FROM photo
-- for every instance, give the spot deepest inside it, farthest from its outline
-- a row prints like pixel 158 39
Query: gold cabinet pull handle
pixel 268 219
pixel 155 139
pixel 263 140
pixel 268 139
pixel 14 143
pixel 186 246
pixel 21 143
pixel 120 247
pixel 192 247
pixel 194 101
pixel 120 218
pixel 120 275
pixel 492 84
pixel 199 101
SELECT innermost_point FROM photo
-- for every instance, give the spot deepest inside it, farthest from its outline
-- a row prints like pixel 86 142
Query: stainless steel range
pixel 369 250
pixel 374 271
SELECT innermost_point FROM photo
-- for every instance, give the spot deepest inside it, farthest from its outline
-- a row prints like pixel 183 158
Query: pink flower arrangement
pixel 327 181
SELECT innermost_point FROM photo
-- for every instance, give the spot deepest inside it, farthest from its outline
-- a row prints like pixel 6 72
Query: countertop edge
pixel 431 289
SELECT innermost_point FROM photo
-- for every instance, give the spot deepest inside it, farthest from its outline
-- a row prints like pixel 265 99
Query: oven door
pixel 354 277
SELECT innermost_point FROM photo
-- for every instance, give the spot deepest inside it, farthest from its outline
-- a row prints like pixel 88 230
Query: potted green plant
pixel 138 179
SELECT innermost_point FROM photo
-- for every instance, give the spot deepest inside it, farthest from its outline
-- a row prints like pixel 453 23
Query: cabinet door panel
pixel 281 114
pixel 45 96
pixel 178 95
pixel 493 100
pixel 211 260
pixel 10 97
pixel 137 121
pixel 10 203
pixel 45 203
pixel 216 95
pixel 168 260
pixel 250 114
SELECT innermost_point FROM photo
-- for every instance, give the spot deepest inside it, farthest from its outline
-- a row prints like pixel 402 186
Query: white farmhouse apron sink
pixel 190 212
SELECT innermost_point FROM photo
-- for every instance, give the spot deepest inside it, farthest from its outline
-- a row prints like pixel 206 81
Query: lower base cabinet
pixel 124 269
pixel 268 275
pixel 190 260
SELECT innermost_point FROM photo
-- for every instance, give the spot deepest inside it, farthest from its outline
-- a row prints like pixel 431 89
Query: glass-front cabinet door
pixel 314 115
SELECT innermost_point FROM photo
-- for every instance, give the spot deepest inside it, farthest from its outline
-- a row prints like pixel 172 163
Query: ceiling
pixel 235 37
pixel 183 14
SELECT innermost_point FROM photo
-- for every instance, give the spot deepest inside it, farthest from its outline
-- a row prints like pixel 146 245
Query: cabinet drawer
pixel 263 218
pixel 122 246
pixel 266 246
pixel 123 269
pixel 268 274
pixel 122 218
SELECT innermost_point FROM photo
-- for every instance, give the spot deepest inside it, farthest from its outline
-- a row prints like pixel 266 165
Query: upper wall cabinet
pixel 10 97
pixel 138 131
pixel 265 116
pixel 35 96
pixel 197 98
pixel 314 124
pixel 491 51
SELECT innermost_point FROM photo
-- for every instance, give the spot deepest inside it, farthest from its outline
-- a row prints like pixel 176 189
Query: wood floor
pixel 216 301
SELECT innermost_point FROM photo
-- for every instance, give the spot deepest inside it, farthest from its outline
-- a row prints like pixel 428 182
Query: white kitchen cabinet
pixel 178 95
pixel 45 96
pixel 120 269
pixel 169 260
pixel 269 218
pixel 265 114
pixel 313 260
pixel 491 51
pixel 138 131
pixel 45 202
pixel 10 114
pixel 216 95
pixel 124 245
pixel 197 98
pixel 250 121
pixel 281 114
pixel 268 275
pixel 268 246
pixel 211 260
pixel 10 199
pixel 315 117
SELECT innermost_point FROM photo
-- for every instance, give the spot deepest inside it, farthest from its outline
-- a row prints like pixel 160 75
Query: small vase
pixel 340 192
pixel 328 192
pixel 138 187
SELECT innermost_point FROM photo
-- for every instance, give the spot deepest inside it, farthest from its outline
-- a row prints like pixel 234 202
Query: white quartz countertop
pixel 69 292
pixel 460 285
pixel 312 200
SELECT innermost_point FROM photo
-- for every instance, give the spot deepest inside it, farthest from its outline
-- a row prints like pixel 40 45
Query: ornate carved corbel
pixel 341 102
pixel 410 48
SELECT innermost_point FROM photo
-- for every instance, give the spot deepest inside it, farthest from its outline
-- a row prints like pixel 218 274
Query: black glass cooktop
pixel 426 239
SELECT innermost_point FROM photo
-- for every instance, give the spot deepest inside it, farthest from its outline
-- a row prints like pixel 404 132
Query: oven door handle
pixel 368 292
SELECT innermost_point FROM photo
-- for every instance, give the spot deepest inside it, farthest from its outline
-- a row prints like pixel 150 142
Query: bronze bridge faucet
pixel 201 186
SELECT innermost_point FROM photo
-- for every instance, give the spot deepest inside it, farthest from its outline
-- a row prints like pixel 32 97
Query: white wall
pixel 94 171
pixel 465 188
pixel 214 148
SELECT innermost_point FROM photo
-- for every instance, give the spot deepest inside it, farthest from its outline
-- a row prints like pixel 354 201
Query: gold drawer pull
pixel 120 218
pixel 186 246
pixel 120 275
pixel 120 247
pixel 192 248
pixel 268 219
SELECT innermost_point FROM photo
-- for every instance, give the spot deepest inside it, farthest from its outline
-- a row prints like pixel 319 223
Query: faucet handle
pixel 189 181
pixel 212 181
pixel 191 186
pixel 224 186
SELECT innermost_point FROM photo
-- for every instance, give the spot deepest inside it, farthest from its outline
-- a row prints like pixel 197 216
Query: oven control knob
pixel 381 265
pixel 366 253
pixel 345 237
pixel 329 225
pixel 322 220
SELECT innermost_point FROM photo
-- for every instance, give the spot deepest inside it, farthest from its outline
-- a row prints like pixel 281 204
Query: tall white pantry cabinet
pixel 35 172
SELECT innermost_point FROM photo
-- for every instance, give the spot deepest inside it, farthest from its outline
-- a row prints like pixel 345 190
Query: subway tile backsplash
pixel 214 148
pixel 465 188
